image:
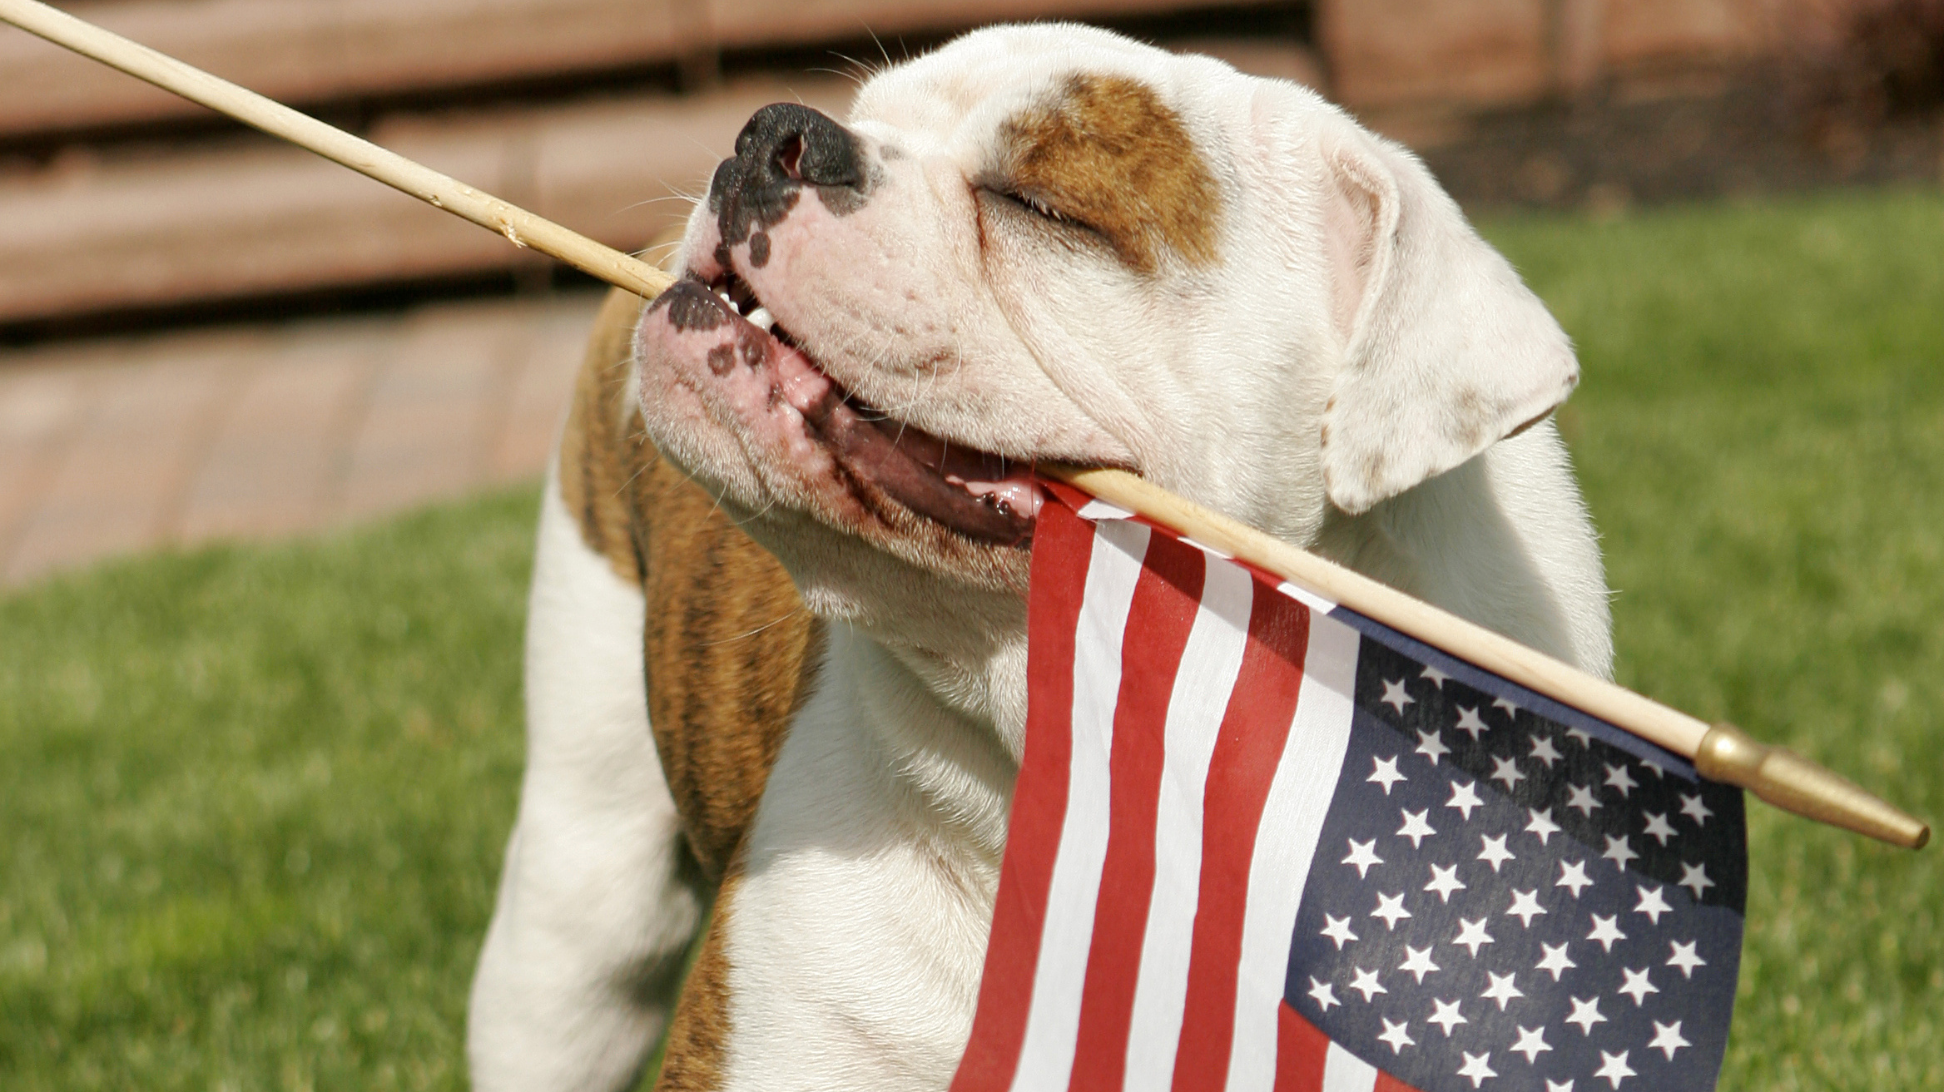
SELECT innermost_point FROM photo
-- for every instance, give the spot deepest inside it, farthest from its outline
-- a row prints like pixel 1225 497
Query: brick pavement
pixel 119 445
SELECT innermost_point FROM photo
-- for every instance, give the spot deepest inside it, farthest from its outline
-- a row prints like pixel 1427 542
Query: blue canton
pixel 1508 894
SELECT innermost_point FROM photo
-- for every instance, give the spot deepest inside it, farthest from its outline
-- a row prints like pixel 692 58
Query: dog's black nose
pixel 784 147
pixel 786 142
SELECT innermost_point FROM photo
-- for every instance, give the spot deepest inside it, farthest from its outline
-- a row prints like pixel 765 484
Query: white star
pixel 1363 855
pixel 1544 751
pixel 1619 851
pixel 1531 1042
pixel 1419 962
pixel 1437 677
pixel 1324 995
pixel 1464 798
pixel 1502 990
pixel 1494 852
pixel 1573 874
pixel 1667 1038
pixel 1584 737
pixel 1394 695
pixel 1555 961
pixel 1384 772
pixel 1506 770
pixel 1586 1013
pixel 1511 708
pixel 1525 904
pixel 1605 931
pixel 1657 827
pixel 1396 1036
pixel 1559 1086
pixel 1366 984
pixel 1431 745
pixel 1446 1016
pixel 1444 880
pixel 1695 877
pixel 1471 723
pixel 1637 986
pixel 1338 929
pixel 1415 828
pixel 1654 767
pixel 1618 778
pixel 1614 1068
pixel 1542 825
pixel 1684 958
pixel 1651 903
pixel 1471 934
pixel 1693 808
pixel 1390 908
pixel 1476 1068
pixel 1583 800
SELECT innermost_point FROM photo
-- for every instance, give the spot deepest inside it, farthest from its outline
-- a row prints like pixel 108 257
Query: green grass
pixel 252 800
pixel 252 805
pixel 1760 434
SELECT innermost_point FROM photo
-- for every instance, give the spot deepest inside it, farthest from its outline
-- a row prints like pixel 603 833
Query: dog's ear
pixel 1446 350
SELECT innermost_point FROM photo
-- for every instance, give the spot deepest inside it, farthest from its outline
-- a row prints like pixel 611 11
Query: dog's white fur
pixel 1345 376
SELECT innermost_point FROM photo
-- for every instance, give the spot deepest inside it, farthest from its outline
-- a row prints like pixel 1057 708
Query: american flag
pixel 1260 842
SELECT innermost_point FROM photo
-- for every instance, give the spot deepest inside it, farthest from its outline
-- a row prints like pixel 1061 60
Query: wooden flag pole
pixel 1720 752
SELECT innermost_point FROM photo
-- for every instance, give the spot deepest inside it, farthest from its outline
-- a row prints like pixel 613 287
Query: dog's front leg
pixel 594 915
pixel 850 935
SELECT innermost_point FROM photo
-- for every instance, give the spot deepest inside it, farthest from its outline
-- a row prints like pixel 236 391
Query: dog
pixel 776 651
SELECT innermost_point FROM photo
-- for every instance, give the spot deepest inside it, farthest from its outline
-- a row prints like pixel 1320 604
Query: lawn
pixel 252 800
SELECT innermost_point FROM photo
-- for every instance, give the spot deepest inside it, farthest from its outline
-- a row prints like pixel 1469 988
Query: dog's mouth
pixel 982 496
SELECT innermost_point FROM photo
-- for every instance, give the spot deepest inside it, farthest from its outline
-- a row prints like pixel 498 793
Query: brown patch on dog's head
pixel 1108 154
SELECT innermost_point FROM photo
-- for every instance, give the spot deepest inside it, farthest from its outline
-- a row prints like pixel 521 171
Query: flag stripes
pixel 1173 684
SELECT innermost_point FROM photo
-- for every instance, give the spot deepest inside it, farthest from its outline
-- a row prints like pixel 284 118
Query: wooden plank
pixel 308 51
pixel 263 220
pixel 318 51
pixel 267 220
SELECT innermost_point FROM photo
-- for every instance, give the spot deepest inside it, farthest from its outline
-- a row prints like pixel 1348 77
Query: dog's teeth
pixel 724 294
pixel 761 318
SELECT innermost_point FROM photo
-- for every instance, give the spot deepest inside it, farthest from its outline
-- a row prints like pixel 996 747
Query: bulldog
pixel 777 647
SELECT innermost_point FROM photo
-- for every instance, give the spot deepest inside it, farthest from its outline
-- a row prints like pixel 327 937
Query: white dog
pixel 1038 242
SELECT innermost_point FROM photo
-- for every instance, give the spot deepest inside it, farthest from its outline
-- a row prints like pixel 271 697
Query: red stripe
pixel 1062 548
pixel 1300 1052
pixel 1254 728
pixel 1158 623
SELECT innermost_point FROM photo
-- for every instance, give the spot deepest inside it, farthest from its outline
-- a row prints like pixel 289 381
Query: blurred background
pixel 271 436
pixel 206 333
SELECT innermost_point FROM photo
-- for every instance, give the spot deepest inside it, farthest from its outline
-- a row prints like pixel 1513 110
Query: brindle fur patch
pixel 698 1036
pixel 730 652
pixel 1107 153
pixel 729 649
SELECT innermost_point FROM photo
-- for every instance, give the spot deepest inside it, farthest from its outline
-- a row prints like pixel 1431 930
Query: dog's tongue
pixel 977 495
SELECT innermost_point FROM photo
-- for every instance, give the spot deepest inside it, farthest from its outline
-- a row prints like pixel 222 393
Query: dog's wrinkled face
pixel 1052 243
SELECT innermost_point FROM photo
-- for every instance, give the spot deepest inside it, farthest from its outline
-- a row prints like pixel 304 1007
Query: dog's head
pixel 1053 243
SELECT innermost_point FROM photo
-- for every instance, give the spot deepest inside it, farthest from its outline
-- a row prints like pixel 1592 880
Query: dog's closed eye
pixel 1031 202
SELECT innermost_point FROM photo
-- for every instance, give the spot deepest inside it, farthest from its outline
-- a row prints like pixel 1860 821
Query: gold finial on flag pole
pixel 1721 752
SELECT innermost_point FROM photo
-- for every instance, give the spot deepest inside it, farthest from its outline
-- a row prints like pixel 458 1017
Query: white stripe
pixel 1292 819
pixel 1053 1021
pixel 1345 1072
pixel 1209 664
pixel 1097 509
pixel 1306 597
